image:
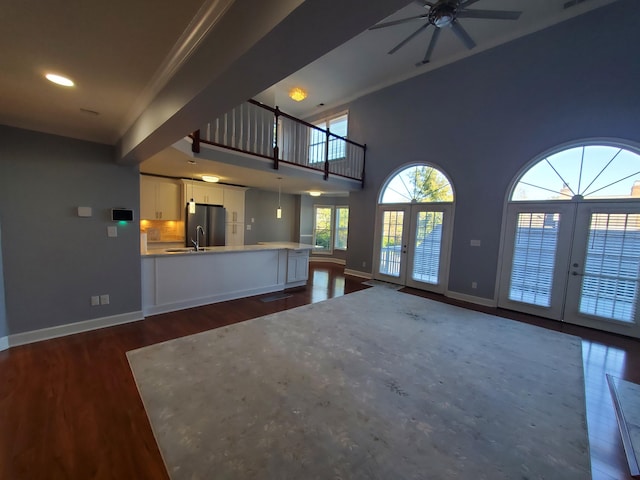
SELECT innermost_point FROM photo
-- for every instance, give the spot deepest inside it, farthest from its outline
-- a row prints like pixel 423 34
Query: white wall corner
pixel 4 343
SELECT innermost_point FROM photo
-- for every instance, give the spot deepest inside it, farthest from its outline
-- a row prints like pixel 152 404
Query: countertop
pixel 228 249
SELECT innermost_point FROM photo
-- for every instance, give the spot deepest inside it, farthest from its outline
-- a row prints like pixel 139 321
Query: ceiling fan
pixel 445 13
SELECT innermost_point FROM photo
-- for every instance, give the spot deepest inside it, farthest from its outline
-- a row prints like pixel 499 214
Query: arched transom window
pixel 418 184
pixel 583 172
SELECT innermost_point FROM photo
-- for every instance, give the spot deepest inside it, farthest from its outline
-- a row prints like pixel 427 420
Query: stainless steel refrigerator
pixel 212 220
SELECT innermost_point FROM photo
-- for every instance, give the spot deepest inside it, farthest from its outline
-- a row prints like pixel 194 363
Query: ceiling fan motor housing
pixel 443 13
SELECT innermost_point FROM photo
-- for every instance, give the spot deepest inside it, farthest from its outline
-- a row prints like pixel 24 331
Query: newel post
pixel 326 156
pixel 276 150
pixel 195 145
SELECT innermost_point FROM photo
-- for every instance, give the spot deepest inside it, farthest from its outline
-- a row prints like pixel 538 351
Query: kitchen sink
pixel 179 250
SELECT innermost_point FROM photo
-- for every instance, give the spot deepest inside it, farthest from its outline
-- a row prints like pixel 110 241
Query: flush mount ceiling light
pixel 297 94
pixel 210 178
pixel 59 80
pixel 315 193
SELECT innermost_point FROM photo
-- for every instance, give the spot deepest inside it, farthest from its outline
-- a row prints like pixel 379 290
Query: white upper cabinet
pixel 159 199
pixel 203 193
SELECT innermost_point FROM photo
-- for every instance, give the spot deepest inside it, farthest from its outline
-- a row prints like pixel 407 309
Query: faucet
pixel 196 242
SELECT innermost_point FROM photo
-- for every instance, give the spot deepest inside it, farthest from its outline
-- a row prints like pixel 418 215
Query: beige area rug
pixel 372 385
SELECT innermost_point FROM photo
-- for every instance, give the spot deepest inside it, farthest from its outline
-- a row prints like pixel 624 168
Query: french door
pixel 577 262
pixel 413 245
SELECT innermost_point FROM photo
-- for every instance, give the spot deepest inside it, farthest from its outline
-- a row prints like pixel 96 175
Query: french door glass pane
pixel 391 242
pixel 426 259
pixel 534 257
pixel 610 281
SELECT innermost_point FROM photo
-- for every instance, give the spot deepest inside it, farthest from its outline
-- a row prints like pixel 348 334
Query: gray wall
pixel 261 205
pixel 55 261
pixel 4 331
pixel 484 118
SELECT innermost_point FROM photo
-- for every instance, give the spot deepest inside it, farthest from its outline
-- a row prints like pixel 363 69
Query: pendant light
pixel 192 203
pixel 279 209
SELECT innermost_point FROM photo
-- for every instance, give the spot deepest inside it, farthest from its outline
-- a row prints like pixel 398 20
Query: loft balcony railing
pixel 267 132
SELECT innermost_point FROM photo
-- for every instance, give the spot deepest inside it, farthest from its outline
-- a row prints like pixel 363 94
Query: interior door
pixel 413 244
pixel 604 275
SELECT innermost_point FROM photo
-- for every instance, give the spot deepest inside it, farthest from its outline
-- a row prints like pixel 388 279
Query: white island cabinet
pixel 178 280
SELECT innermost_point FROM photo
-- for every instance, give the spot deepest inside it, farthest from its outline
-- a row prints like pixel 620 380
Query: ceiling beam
pixel 254 45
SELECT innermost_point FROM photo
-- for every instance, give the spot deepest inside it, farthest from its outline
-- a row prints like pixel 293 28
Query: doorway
pixel 413 229
pixel 577 259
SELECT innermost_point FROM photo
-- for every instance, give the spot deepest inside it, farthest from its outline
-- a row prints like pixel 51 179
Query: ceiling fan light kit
pixel 445 13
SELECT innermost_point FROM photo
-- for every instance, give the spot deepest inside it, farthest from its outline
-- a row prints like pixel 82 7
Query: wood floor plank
pixel 69 408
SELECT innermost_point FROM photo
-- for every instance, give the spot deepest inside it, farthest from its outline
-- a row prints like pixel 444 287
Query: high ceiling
pixel 363 65
pixel 119 53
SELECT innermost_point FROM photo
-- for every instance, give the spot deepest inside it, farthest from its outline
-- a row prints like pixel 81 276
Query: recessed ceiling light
pixel 210 178
pixel 59 80
pixel 315 193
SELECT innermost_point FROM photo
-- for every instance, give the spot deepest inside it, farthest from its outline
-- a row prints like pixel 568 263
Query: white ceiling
pixel 116 50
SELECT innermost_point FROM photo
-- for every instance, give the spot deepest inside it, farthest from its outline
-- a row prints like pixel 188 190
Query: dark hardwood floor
pixel 69 408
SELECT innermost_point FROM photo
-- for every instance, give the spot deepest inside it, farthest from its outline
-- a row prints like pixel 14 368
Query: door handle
pixel 575 274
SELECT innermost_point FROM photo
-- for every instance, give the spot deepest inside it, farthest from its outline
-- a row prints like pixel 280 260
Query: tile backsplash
pixel 163 230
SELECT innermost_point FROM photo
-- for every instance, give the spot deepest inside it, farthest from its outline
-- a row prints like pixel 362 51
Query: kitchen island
pixel 179 278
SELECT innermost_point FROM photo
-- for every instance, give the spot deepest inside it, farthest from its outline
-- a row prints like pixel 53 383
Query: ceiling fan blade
pixel 462 34
pixel 491 14
pixel 468 2
pixel 424 3
pixel 432 45
pixel 398 22
pixel 406 40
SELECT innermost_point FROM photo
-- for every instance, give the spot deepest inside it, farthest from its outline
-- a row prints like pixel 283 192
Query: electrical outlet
pixel 95 300
pixel 364 264
pixel 474 284
pixel 248 226
pixel 104 299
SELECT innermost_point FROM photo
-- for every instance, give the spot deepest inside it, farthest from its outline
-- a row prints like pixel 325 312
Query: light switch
pixel 112 231
pixel 475 243
pixel 84 211
pixel 248 226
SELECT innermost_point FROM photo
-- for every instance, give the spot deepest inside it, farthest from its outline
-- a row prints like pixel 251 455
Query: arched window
pixel 582 172
pixel 417 184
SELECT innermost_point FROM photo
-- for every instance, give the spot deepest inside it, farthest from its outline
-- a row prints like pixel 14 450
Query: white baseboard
pixel 71 328
pixel 486 302
pixel 358 273
pixel 317 258
pixel 4 343
pixel 199 302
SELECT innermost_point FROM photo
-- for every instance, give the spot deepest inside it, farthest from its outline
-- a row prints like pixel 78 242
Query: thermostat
pixel 122 215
